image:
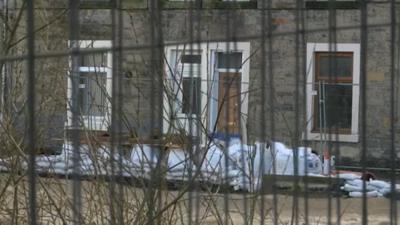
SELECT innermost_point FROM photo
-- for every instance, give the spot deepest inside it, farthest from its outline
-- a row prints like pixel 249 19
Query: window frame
pixel 231 70
pixel 352 134
pixel 333 79
pixel 180 66
pixel 100 123
pixel 209 81
pixel 196 100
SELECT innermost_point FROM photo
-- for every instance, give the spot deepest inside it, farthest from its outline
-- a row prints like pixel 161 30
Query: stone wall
pixel 211 23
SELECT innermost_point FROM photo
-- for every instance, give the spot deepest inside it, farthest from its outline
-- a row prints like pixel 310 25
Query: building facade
pixel 279 70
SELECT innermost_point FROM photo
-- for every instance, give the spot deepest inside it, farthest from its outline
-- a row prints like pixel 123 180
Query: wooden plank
pixel 286 184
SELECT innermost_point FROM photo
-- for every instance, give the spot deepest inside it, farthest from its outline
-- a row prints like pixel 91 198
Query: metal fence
pixel 170 112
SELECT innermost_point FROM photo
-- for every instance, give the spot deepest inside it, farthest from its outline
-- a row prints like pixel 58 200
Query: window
pixel 207 85
pixel 229 60
pixel 333 90
pixel 186 81
pixel 94 87
pixel 337 4
pixel 94 4
pixel 191 95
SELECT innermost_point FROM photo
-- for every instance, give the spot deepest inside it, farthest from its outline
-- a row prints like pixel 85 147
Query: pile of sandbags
pixel 240 166
pixel 354 186
pixel 236 164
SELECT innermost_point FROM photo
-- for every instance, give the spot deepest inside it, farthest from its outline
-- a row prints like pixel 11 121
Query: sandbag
pixel 178 165
pixel 143 156
pixel 379 184
pixel 370 194
pixel 349 176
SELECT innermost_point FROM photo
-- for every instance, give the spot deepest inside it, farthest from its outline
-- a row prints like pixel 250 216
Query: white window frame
pixel 100 123
pixel 194 74
pixel 338 47
pixel 207 71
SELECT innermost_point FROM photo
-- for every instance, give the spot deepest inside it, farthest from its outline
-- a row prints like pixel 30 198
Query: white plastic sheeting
pixel 179 166
pixel 143 160
pixel 63 163
pixel 241 166
pixel 95 162
pixel 238 165
pixel 284 160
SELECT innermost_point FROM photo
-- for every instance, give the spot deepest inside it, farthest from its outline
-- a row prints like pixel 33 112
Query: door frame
pixel 221 134
pixel 209 85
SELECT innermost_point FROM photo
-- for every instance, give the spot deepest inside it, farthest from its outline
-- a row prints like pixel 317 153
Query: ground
pixel 172 206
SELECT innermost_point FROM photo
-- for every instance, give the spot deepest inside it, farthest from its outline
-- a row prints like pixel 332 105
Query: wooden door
pixel 229 103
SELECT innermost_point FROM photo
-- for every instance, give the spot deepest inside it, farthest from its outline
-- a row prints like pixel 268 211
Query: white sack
pixel 178 165
pixel 213 164
pixel 284 160
pixel 379 184
pixel 143 156
pixel 349 176
pixel 371 194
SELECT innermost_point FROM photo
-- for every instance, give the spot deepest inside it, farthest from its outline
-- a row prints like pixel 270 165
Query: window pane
pixel 94 60
pixel 93 94
pixel 335 64
pixel 191 95
pixel 191 59
pixel 229 60
pixel 338 106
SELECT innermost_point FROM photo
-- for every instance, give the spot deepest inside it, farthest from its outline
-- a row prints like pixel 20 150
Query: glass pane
pixel 229 60
pixel 335 64
pixel 94 60
pixel 93 94
pixel 191 59
pixel 191 95
pixel 338 106
pixel 190 65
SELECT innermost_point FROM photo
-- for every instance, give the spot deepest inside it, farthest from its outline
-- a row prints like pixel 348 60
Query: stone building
pixel 258 70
